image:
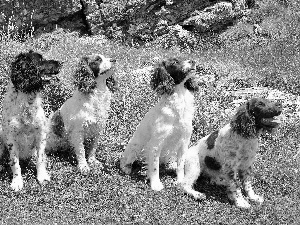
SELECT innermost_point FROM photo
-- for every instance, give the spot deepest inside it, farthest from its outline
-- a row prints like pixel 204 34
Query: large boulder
pixel 16 15
pixel 137 21
pixel 213 18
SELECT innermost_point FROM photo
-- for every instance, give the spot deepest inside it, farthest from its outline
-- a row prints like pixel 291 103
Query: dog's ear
pixel 161 80
pixel 84 78
pixel 243 122
pixel 82 71
pixel 191 84
pixel 25 74
pixel 112 84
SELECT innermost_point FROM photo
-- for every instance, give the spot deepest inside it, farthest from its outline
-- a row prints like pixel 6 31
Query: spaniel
pixel 23 118
pixel 227 155
pixel 164 133
pixel 81 119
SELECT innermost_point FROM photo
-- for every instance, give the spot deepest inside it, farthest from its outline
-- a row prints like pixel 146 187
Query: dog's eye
pixel 261 104
pixel 98 58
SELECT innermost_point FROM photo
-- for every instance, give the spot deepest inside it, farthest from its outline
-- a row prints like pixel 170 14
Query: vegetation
pixel 234 59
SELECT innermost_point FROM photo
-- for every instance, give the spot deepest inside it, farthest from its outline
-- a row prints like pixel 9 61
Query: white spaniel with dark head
pixel 82 118
pixel 227 155
pixel 23 118
pixel 164 134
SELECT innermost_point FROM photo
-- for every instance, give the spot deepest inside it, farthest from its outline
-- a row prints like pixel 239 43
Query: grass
pixel 108 196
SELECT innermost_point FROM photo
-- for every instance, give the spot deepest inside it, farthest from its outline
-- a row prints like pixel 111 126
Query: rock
pixel 213 18
pixel 135 21
pixel 17 15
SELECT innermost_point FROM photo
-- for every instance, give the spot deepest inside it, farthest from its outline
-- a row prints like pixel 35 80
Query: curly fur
pixel 164 82
pixel 164 133
pixel 23 118
pixel 227 155
pixel 81 119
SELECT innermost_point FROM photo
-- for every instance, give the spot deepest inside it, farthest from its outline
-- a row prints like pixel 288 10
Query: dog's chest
pixel 97 107
pixel 23 120
pixel 23 112
pixel 181 108
pixel 237 151
pixel 82 109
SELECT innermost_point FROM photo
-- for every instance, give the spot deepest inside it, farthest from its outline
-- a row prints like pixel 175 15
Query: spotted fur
pixel 82 118
pixel 23 118
pixel 227 156
pixel 164 133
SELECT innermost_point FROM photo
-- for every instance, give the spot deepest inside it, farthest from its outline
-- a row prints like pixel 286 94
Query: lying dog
pixel 82 117
pixel 24 121
pixel 165 131
pixel 227 155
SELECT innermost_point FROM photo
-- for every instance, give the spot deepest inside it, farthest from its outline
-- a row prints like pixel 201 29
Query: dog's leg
pixel 91 146
pixel 192 171
pixel 181 153
pixel 245 176
pixel 42 174
pixel 17 181
pixel 76 139
pixel 132 150
pixel 153 150
pixel 234 191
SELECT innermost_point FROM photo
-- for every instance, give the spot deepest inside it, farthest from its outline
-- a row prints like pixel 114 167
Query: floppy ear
pixel 191 84
pixel 243 123
pixel 112 84
pixel 25 74
pixel 161 81
pixel 84 78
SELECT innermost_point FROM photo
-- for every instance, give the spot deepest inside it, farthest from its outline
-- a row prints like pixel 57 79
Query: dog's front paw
pixel 17 183
pixel 256 198
pixel 197 195
pixel 157 185
pixel 126 168
pixel 43 176
pixel 83 168
pixel 242 203
pixel 95 163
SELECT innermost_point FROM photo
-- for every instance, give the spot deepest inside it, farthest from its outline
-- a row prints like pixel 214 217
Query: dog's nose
pixel 278 105
pixel 113 60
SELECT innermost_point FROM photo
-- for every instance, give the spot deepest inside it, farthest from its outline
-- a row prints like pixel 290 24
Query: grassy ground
pixel 109 197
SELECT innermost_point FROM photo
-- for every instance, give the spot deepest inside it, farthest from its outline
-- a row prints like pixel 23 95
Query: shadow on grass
pixel 211 191
pixel 28 168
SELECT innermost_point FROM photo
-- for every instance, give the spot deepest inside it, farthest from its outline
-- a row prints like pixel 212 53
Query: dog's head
pixel 172 72
pixel 255 115
pixel 90 69
pixel 29 71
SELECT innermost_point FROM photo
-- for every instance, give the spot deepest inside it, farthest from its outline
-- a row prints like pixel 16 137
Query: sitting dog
pixel 227 155
pixel 82 117
pixel 23 118
pixel 164 133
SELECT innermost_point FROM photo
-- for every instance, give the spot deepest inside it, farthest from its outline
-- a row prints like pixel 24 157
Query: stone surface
pixel 212 18
pixel 21 14
pixel 137 21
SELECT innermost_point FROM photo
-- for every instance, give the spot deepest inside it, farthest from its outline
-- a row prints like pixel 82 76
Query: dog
pixel 23 118
pixel 81 119
pixel 227 155
pixel 164 133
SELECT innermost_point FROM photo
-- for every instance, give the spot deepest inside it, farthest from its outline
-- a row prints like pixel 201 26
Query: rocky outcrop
pixel 136 20
pixel 20 14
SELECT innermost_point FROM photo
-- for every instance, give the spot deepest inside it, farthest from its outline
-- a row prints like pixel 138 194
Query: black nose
pixel 278 106
pixel 112 60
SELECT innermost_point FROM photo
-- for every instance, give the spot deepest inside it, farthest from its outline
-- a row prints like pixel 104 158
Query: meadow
pixel 108 196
